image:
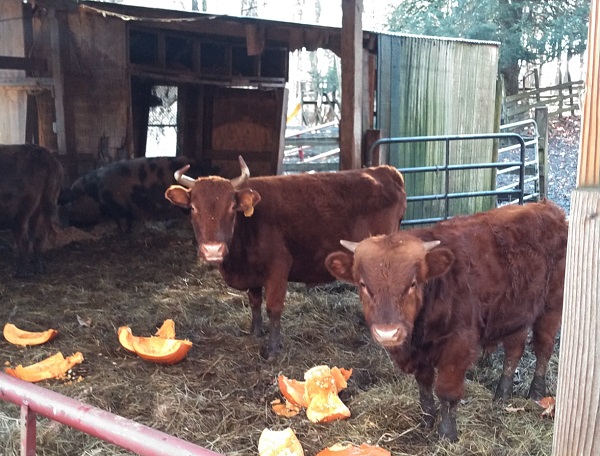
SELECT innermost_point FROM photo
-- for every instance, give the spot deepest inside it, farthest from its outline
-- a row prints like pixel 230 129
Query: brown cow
pixel 30 181
pixel 286 237
pixel 431 296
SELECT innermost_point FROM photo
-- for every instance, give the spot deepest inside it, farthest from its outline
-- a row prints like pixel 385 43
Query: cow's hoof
pixel 504 389
pixel 538 388
pixel 448 431
pixel 269 355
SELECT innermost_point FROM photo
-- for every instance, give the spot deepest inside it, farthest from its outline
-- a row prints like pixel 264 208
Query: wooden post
pixel 58 78
pixel 352 76
pixel 576 429
pixel 541 120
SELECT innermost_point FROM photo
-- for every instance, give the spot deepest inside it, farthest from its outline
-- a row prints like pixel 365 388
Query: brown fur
pixel 493 277
pixel 277 229
pixel 30 181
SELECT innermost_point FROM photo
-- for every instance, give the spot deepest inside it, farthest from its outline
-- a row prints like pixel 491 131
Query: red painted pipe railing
pixel 107 426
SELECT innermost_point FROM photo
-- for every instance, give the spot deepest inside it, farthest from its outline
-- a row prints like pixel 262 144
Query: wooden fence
pixel 560 99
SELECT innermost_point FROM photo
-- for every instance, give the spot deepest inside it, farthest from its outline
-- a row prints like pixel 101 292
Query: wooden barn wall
pixel 428 87
pixel 13 103
pixel 97 86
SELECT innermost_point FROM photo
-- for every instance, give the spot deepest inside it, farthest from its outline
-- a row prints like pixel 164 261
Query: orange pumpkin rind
pixel 292 390
pixel 351 450
pixel 321 394
pixel 52 367
pixel 167 330
pixel 159 350
pixel 20 337
pixel 125 335
pixel 163 350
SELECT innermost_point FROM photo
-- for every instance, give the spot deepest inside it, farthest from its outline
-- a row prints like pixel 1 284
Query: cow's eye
pixel 363 287
pixel 413 284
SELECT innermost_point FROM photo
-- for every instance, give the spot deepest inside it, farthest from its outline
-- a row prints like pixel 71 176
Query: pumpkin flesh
pixel 18 336
pixel 324 404
pixel 167 330
pixel 52 367
pixel 159 350
pixel 352 450
pixel 279 443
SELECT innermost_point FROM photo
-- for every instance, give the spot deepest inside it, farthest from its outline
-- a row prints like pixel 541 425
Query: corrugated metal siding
pixel 428 87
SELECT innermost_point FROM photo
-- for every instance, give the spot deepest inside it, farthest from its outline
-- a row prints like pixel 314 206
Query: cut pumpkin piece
pixel 279 443
pixel 351 450
pixel 159 350
pixel 52 367
pixel 292 390
pixel 321 394
pixel 125 336
pixel 17 336
pixel 341 376
pixel 167 330
pixel 288 409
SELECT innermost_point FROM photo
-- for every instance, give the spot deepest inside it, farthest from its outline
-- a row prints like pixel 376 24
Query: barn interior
pixel 83 76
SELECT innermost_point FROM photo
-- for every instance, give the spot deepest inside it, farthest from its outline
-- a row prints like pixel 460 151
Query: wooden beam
pixel 541 120
pixel 24 83
pixel 22 63
pixel 255 39
pixel 576 429
pixel 352 76
pixel 59 87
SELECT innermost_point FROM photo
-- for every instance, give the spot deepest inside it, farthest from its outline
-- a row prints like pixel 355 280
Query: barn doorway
pixel 161 139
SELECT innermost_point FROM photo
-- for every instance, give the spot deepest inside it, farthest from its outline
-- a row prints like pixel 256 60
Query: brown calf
pixel 30 181
pixel 431 296
pixel 266 231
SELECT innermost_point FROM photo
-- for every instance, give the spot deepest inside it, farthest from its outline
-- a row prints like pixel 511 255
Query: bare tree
pixel 249 8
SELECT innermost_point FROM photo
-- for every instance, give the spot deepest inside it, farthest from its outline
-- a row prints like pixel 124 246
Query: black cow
pixel 30 181
pixel 125 191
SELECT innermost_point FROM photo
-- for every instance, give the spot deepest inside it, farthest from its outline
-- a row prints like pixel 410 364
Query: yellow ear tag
pixel 248 212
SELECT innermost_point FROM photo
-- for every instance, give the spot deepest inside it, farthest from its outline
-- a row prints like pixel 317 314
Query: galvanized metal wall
pixel 433 86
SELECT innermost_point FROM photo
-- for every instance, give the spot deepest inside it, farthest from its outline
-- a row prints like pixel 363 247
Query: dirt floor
pixel 219 396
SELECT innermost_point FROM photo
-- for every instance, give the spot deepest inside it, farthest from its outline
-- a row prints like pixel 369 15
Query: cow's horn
pixel 184 180
pixel 430 245
pixel 244 176
pixel 349 245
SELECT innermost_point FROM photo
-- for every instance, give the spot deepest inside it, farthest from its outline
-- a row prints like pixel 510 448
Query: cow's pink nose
pixel 213 252
pixel 388 335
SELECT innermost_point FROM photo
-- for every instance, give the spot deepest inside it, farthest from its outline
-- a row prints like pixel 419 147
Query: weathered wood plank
pixel 352 58
pixel 576 428
pixel 22 63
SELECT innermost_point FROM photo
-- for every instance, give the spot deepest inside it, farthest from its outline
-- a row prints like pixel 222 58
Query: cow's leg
pixel 38 235
pixel 514 346
pixel 425 375
pixel 22 250
pixel 458 355
pixel 544 333
pixel 275 290
pixel 255 298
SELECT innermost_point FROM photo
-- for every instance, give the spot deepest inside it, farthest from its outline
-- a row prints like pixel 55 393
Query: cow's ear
pixel 246 200
pixel 178 195
pixel 438 262
pixel 339 264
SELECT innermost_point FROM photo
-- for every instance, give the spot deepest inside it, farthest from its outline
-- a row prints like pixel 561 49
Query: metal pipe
pixel 107 426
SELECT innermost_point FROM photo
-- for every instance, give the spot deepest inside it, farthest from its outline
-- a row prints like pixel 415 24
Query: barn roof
pixel 295 35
